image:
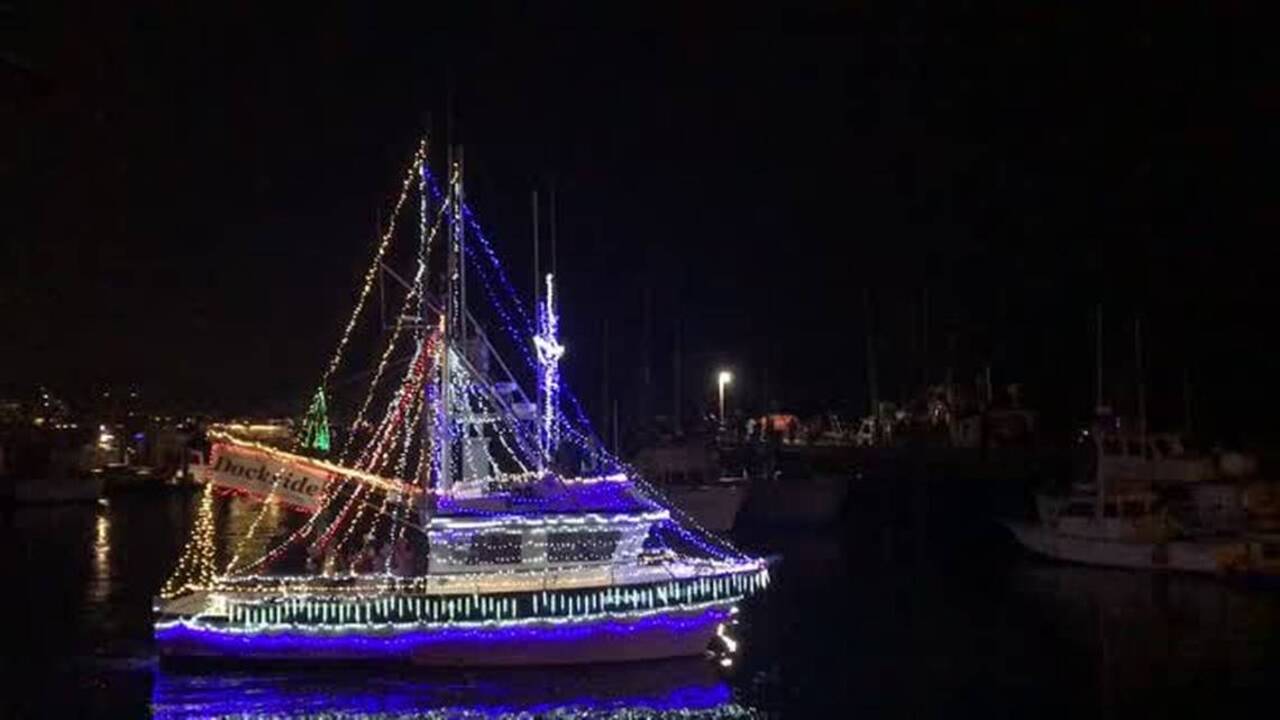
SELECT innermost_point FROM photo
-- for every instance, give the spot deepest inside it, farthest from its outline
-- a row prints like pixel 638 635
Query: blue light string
pixel 583 435
pixel 586 428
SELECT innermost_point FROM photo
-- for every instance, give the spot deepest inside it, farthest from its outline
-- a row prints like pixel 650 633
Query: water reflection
pixel 1153 638
pixel 685 688
pixel 99 587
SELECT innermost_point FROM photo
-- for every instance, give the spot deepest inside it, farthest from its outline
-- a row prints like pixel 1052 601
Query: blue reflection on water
pixel 668 689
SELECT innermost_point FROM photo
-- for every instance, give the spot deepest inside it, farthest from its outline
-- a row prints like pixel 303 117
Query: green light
pixel 315 428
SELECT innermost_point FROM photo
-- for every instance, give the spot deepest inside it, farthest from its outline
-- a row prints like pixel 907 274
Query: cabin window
pixel 495 549
pixel 582 546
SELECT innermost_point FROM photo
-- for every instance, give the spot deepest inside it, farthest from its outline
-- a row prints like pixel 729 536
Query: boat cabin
pixel 1160 458
pixel 1120 516
pixel 553 522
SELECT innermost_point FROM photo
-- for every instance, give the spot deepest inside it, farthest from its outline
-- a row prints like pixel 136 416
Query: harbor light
pixel 724 379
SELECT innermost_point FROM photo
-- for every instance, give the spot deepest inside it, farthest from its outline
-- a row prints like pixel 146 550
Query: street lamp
pixel 724 378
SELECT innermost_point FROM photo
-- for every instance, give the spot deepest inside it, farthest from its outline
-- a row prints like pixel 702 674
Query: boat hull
pixel 798 502
pixel 1193 557
pixel 678 633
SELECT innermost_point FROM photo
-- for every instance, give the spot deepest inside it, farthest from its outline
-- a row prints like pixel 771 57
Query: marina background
pixel 873 616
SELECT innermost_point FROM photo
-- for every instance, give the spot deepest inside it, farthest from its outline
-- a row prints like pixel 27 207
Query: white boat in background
pixel 813 501
pixel 65 478
pixel 1128 530
pixel 1124 518
pixel 714 506
pixel 689 475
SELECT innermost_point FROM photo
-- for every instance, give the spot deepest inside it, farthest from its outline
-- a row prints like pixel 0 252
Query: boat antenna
pixel 553 227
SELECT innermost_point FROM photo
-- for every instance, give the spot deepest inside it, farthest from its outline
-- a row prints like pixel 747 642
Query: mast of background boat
pixel 1099 478
pixel 604 376
pixel 1097 360
pixel 873 386
pixel 1142 387
pixel 1186 400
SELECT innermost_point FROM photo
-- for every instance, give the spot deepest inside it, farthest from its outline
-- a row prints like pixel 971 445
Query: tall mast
pixel 1142 384
pixel 553 227
pixel 537 277
pixel 424 332
pixel 676 369
pixel 873 386
pixel 454 313
pixel 462 258
pixel 537 309
pixel 1186 400
pixel 604 374
pixel 1097 361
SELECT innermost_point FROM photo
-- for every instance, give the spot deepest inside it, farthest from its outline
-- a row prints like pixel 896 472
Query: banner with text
pixel 255 473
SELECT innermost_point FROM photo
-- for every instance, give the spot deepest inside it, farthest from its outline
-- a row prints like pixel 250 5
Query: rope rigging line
pixel 419 158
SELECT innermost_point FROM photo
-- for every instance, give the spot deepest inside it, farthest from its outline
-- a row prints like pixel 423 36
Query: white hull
pixel 798 502
pixel 1181 556
pixel 714 507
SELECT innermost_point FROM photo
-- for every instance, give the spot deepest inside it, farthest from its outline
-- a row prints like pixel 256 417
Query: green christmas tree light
pixel 315 428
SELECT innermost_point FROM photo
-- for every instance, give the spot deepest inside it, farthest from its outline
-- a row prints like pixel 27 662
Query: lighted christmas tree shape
pixel 315 428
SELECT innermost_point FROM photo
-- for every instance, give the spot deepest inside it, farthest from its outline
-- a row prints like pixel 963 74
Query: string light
pixel 415 293
pixel 513 550
pixel 253 526
pixel 466 609
pixel 195 565
pixel 419 159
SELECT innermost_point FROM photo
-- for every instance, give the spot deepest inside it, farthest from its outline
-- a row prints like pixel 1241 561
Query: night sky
pixel 190 197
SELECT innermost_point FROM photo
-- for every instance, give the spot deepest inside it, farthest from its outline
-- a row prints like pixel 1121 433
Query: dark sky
pixel 190 195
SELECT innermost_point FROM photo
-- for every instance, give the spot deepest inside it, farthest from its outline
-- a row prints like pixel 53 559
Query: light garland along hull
pixel 646 621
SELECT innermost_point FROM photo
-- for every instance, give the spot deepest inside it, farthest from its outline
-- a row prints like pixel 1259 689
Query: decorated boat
pixel 471 523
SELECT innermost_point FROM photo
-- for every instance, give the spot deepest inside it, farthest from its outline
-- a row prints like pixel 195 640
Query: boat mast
pixel 873 386
pixel 1142 388
pixel 1097 362
pixel 1099 477
pixel 424 331
pixel 454 309
pixel 537 294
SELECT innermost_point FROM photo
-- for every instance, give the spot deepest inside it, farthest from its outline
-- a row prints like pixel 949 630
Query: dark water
pixel 873 618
